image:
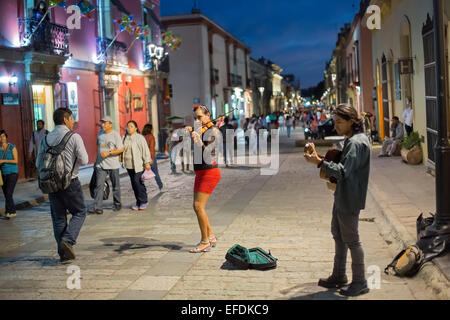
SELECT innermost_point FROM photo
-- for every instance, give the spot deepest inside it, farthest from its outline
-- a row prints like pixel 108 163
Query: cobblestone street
pixel 144 255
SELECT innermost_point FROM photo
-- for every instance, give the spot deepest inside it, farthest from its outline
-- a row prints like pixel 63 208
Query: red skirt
pixel 206 180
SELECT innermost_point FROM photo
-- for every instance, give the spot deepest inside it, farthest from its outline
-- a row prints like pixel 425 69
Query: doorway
pixel 43 106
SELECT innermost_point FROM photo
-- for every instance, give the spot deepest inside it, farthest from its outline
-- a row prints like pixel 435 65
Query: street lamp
pixel 261 90
pixel 157 55
pixel 439 232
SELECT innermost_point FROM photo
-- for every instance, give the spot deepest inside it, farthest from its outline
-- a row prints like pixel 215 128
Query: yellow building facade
pixel 399 65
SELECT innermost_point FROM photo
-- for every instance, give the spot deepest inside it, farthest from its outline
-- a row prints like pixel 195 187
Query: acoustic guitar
pixel 333 155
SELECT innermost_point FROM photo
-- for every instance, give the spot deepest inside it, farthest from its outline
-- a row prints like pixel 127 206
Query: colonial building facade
pixel 211 67
pixel 403 67
pixel 60 67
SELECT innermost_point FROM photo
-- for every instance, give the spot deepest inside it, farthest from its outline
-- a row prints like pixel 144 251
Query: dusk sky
pixel 298 35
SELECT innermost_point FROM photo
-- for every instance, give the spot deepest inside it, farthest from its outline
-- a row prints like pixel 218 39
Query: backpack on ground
pixel 407 263
pixel 53 174
pixel 255 258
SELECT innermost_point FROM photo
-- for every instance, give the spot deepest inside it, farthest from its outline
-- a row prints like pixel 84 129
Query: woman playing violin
pixel 207 174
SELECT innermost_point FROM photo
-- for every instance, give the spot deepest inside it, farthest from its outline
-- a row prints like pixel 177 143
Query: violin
pixel 206 126
pixel 210 124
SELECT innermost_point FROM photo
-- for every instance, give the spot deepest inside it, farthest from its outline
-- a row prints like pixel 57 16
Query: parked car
pixel 326 129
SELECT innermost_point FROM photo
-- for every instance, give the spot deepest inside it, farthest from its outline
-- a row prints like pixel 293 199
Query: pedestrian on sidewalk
pixel 228 153
pixel 252 137
pixel 186 155
pixel 10 173
pixel 408 117
pixel 395 140
pixel 207 175
pixel 110 147
pixel 136 158
pixel 36 140
pixel 147 132
pixel 352 175
pixel 172 141
pixel 70 199
pixel 289 123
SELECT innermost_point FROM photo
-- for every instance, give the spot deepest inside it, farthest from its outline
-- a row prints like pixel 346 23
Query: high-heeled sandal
pixel 213 241
pixel 197 250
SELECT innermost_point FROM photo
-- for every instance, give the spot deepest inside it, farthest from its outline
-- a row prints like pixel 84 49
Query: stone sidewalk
pixel 402 193
pixel 129 255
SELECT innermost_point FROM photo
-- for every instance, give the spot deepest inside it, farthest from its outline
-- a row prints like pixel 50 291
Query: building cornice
pixel 200 19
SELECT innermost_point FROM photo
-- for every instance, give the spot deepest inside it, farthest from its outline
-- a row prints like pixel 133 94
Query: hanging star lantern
pixel 170 40
pixel 127 23
pixel 86 8
pixel 54 3
pixel 141 32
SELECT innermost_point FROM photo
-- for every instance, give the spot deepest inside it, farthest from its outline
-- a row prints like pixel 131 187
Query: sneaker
pixel 135 208
pixel 10 215
pixel 332 282
pixel 143 206
pixel 355 289
pixel 4 217
pixel 117 208
pixel 162 189
pixel 67 250
pixel 383 156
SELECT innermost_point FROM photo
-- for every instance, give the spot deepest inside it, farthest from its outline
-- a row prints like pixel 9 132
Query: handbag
pixel 147 175
pixel 93 185
pixel 3 158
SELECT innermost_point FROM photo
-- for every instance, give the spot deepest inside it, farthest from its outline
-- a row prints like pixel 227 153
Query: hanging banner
pixel 72 90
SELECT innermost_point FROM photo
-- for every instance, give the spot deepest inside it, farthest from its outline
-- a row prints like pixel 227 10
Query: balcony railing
pixel 48 38
pixel 116 53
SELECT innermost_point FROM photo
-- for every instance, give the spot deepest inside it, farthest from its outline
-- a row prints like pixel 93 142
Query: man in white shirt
pixel 408 117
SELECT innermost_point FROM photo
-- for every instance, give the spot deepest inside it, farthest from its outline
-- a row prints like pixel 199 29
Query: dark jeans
pixel 70 200
pixel 173 166
pixel 409 129
pixel 154 167
pixel 101 175
pixel 140 191
pixel 9 184
pixel 344 228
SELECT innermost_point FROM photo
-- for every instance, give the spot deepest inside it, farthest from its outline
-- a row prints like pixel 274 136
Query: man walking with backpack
pixel 58 160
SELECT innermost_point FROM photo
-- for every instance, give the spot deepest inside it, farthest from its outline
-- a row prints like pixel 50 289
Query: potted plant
pixel 411 150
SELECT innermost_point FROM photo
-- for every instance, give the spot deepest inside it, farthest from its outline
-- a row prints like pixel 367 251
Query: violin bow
pixel 222 115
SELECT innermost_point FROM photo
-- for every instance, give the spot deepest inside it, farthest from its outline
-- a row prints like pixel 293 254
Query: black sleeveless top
pixel 213 164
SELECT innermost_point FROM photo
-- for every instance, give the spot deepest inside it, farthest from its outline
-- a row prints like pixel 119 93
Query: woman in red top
pixel 207 175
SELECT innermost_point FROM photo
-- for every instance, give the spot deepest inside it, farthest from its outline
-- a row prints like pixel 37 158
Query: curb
pixel 44 198
pixel 398 235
